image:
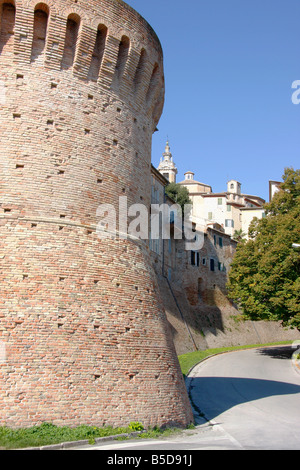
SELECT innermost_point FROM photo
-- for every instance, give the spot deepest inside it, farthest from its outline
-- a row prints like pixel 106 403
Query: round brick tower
pixel 83 334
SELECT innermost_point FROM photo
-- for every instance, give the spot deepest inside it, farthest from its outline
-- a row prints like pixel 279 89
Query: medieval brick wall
pixel 84 329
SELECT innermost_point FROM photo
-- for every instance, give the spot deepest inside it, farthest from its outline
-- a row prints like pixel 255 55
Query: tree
pixel 264 279
pixel 239 235
pixel 179 194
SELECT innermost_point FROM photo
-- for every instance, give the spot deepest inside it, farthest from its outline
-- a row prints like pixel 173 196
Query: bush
pixel 136 426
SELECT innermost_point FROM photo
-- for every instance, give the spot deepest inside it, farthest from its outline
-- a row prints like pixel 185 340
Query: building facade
pixel 202 271
pixel 194 285
pixel 231 209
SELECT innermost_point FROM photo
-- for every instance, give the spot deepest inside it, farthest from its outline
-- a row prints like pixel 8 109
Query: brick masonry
pixel 84 328
pixel 203 317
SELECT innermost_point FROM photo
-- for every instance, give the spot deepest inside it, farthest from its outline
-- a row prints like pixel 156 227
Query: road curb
pixel 83 442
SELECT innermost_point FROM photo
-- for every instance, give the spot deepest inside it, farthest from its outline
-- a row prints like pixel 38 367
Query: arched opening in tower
pixel 8 15
pixel 140 69
pixel 153 83
pixel 98 53
pixel 122 56
pixel 72 31
pixel 41 15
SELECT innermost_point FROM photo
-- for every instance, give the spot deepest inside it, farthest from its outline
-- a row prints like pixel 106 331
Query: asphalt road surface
pixel 243 400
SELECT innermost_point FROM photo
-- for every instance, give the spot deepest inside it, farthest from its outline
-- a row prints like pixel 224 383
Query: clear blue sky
pixel 229 68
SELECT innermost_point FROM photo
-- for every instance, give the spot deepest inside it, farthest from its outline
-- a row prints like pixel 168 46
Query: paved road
pixel 243 400
pixel 253 395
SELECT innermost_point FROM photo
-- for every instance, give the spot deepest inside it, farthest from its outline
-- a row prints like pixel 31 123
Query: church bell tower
pixel 167 167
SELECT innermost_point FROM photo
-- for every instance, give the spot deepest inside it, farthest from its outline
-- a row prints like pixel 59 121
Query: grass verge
pixel 49 434
pixel 187 361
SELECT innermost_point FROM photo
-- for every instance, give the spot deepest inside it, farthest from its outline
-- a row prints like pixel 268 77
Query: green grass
pixel 49 434
pixel 187 361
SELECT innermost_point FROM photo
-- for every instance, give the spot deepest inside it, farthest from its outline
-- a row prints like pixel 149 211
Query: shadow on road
pixel 277 352
pixel 218 394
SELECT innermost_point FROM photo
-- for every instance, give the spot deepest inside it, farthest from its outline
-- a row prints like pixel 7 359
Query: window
pixel 154 245
pixel 154 195
pixel 220 242
pixel 212 264
pixel 228 206
pixel 195 258
pixel 215 240
pixel 220 201
pixel 209 216
pixel 204 261
pixel 229 223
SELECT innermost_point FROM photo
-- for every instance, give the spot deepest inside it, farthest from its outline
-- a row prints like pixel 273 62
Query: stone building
pixel 215 250
pixel 231 209
pixel 82 321
pixel 193 288
pixel 163 250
